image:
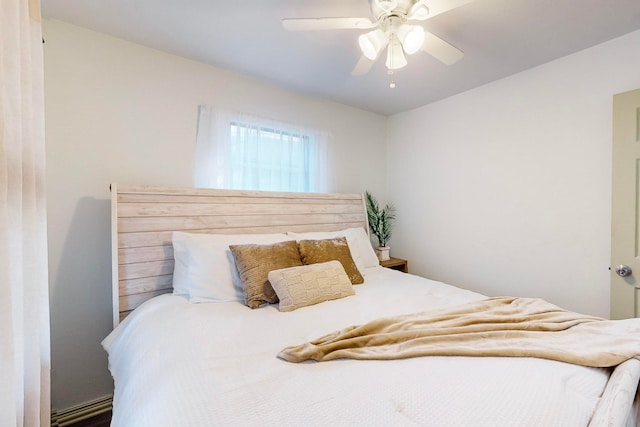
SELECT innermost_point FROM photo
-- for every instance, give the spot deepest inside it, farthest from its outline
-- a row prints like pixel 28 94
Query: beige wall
pixel 120 112
pixel 505 189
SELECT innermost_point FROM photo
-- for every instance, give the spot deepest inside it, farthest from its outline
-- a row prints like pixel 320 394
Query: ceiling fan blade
pixel 436 7
pixel 440 49
pixel 315 24
pixel 362 67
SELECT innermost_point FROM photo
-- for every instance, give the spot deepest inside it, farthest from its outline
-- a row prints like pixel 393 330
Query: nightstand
pixel 396 264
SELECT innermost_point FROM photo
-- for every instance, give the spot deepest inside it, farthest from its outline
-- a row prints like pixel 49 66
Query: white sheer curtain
pixel 240 151
pixel 24 297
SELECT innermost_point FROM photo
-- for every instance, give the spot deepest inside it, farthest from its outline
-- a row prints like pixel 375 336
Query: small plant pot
pixel 383 252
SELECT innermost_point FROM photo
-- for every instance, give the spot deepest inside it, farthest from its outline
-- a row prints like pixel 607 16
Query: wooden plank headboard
pixel 143 219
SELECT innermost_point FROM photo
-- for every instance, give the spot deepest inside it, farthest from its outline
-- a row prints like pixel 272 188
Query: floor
pixel 102 420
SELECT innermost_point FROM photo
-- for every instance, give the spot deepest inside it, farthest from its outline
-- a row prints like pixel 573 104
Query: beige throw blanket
pixel 504 326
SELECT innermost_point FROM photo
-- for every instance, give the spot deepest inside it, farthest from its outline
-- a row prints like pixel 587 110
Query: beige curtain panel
pixel 24 300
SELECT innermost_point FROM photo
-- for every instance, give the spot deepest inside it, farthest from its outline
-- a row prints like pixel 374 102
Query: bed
pixel 202 359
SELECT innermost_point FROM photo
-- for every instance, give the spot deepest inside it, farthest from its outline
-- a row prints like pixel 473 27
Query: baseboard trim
pixel 69 417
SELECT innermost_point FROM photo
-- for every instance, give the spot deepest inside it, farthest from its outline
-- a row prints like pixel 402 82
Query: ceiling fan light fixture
pixel 395 26
pixel 372 43
pixel 411 37
pixel 395 55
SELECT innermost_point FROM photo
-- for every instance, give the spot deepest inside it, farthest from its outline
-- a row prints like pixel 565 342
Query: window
pixel 248 153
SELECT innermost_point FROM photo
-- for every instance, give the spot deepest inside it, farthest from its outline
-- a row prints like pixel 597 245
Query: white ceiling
pixel 499 38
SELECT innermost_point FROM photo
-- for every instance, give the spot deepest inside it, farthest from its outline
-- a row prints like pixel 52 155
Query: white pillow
pixel 359 244
pixel 204 267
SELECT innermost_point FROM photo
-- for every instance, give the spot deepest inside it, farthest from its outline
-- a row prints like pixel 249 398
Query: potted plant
pixel 380 223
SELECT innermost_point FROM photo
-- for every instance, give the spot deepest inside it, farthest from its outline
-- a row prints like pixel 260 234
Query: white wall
pixel 505 189
pixel 120 112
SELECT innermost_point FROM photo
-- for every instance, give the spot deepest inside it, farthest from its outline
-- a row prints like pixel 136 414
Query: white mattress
pixel 177 363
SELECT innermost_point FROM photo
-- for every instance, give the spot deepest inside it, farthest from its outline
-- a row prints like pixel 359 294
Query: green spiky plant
pixel 380 220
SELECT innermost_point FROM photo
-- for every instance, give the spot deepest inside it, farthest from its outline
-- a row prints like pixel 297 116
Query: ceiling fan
pixel 396 26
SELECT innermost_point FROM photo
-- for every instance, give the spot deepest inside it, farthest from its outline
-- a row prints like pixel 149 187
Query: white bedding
pixel 177 363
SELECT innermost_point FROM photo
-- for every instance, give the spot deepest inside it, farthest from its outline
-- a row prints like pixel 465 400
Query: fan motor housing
pixel 382 9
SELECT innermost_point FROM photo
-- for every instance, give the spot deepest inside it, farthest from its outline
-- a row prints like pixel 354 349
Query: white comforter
pixel 181 364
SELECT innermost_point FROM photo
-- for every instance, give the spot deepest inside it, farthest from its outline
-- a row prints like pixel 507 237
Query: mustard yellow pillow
pixel 310 284
pixel 315 251
pixel 254 262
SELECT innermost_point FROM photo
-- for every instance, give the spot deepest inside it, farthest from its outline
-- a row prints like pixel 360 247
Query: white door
pixel 625 214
